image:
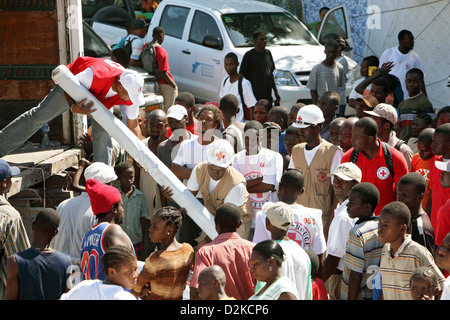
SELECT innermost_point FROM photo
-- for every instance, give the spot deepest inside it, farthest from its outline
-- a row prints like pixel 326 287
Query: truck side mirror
pixel 212 42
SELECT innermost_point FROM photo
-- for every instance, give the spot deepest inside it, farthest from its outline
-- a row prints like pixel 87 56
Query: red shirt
pixel 422 167
pixel 376 172
pixel 232 254
pixel 162 59
pixel 442 223
pixel 439 195
pixel 105 72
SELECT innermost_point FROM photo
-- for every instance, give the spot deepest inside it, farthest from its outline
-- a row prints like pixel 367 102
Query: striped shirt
pixel 396 270
pixel 408 110
pixel 363 251
pixel 13 238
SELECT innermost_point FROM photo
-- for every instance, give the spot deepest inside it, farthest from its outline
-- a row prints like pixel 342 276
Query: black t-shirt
pixel 258 69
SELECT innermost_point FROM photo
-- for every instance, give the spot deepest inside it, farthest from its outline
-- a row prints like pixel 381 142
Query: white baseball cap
pixel 279 214
pixel 100 171
pixel 220 153
pixel 347 171
pixel 385 111
pixel 134 84
pixel 443 166
pixel 309 115
pixel 177 112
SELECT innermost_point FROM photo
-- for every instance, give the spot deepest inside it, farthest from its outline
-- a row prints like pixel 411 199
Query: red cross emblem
pixel 383 173
pixel 300 118
pixel 220 156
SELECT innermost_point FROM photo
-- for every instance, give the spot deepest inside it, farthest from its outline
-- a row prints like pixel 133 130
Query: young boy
pixel 345 134
pixel 420 123
pixel 307 229
pixel 259 166
pixel 120 267
pixel 135 206
pixel 238 86
pixel 232 128
pixel 422 161
pixel 423 284
pixel 415 104
pixel 410 190
pixel 291 139
pixel 327 75
pixel 40 272
pixel 443 262
pixel 345 177
pixel 401 255
pixel 211 284
pixel 363 247
pixel 335 127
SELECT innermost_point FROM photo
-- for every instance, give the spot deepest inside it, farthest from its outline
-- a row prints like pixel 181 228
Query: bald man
pixel 211 284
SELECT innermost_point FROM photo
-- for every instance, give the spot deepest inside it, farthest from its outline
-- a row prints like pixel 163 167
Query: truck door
pixel 336 24
pixel 202 54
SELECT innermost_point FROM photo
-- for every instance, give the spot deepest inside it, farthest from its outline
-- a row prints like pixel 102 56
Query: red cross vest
pixel 105 72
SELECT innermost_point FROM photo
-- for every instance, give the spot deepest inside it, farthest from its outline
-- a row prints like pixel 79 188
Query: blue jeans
pixel 52 106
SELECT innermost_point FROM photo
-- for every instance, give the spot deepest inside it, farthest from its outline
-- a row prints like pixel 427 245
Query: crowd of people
pixel 308 203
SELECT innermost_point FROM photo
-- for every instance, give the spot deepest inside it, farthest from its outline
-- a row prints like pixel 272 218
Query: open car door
pixel 336 24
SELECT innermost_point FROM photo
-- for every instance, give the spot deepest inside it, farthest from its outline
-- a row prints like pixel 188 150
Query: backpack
pixel 387 158
pixel 128 46
pixel 246 110
pixel 148 58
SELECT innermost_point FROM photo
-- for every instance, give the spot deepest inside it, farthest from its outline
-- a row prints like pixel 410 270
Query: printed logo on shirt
pixel 383 173
pixel 424 173
pixel 322 176
pixel 300 234
pixel 257 199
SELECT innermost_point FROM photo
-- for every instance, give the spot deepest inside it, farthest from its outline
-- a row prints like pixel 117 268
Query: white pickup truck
pixel 200 33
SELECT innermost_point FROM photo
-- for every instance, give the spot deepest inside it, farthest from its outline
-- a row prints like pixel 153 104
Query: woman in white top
pixel 266 260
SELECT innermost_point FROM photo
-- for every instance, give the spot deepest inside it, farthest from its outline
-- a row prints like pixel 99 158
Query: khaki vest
pixel 318 188
pixel 212 201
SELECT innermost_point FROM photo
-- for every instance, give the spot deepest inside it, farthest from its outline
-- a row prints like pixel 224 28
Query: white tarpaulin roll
pixel 137 150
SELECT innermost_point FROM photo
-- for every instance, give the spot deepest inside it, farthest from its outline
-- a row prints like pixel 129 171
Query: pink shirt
pixel 232 254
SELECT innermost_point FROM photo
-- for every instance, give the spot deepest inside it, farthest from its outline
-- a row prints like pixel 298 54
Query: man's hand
pixel 80 108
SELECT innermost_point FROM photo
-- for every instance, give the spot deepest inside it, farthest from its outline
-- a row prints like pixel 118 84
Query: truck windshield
pixel 281 28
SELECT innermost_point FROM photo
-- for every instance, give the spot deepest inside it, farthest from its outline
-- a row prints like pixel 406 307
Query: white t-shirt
pixel 339 232
pixel 235 196
pixel 402 63
pixel 97 290
pixel 76 219
pixel 247 92
pixel 265 165
pixel 307 229
pixel 297 267
pixel 446 290
pixel 87 76
pixel 191 153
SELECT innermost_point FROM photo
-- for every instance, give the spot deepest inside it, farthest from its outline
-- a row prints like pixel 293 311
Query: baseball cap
pixel 385 111
pixel 138 23
pixel 347 171
pixel 100 171
pixel 102 196
pixel 443 166
pixel 220 153
pixel 177 112
pixel 7 171
pixel 279 214
pixel 133 83
pixel 307 116
pixel 369 100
